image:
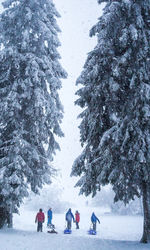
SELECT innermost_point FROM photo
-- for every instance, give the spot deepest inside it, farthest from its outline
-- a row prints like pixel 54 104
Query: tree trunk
pixel 146 212
pixel 2 217
pixel 10 220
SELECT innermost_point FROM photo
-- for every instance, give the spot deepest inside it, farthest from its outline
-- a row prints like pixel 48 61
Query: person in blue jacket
pixel 49 216
pixel 94 220
pixel 69 218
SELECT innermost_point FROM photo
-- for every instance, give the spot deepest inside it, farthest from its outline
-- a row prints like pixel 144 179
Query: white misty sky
pixel 77 18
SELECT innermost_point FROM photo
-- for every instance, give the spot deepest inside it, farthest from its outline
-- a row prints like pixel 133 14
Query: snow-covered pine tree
pixel 115 126
pixel 31 111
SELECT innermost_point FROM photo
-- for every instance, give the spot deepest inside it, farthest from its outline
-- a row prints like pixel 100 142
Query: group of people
pixel 40 219
pixel 70 217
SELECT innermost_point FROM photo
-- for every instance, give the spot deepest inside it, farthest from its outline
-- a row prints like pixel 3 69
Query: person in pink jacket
pixel 40 218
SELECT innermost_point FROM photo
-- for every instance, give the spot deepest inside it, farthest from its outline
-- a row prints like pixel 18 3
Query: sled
pixel 92 232
pixel 67 231
pixel 52 231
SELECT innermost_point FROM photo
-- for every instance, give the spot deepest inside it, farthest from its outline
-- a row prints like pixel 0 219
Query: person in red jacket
pixel 40 218
pixel 77 219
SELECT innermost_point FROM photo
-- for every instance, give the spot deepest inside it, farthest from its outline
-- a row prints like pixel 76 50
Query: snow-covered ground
pixel 114 233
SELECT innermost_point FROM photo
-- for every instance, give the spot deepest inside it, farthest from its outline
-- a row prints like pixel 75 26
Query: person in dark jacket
pixel 40 218
pixel 49 216
pixel 94 220
pixel 77 219
pixel 69 218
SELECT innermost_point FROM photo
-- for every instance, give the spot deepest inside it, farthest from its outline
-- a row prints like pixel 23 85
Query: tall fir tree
pixel 115 125
pixel 31 111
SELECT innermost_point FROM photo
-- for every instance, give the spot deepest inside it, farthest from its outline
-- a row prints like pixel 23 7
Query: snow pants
pixel 49 221
pixel 94 226
pixel 77 225
pixel 39 226
pixel 68 224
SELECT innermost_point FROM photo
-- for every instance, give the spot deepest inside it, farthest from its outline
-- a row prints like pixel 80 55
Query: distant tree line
pixel 105 198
